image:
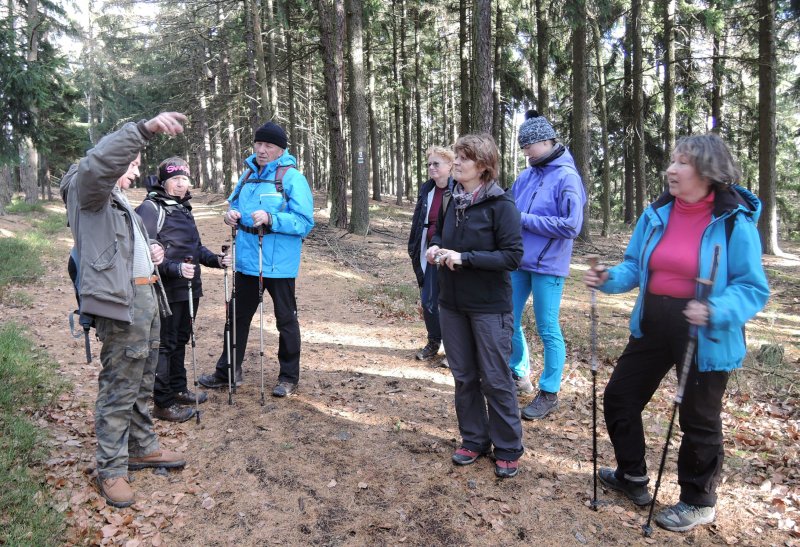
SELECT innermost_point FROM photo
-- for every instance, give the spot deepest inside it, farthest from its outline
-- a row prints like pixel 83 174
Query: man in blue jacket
pixel 271 204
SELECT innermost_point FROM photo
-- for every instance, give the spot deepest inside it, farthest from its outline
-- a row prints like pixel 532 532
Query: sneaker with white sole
pixel 682 517
pixel 524 385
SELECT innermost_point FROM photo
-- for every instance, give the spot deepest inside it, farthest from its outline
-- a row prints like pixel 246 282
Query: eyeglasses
pixel 433 164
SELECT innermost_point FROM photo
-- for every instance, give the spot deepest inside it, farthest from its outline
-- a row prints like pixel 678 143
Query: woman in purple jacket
pixel 550 197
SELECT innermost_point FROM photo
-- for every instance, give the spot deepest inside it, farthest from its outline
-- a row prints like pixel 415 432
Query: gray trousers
pixel 478 347
pixel 129 357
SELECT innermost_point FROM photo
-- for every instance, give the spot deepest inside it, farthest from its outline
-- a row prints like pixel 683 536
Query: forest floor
pixel 361 455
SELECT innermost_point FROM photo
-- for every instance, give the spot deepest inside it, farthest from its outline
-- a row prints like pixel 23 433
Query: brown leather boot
pixel 159 458
pixel 173 413
pixel 116 491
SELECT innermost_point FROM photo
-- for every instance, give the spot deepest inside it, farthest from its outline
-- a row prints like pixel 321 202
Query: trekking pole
pixel 593 260
pixel 704 288
pixel 261 305
pixel 234 361
pixel 188 260
pixel 227 327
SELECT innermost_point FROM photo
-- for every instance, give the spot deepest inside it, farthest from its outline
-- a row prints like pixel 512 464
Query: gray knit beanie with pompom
pixel 534 129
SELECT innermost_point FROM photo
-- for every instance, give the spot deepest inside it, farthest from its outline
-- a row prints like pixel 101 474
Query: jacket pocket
pixel 107 258
pixel 271 201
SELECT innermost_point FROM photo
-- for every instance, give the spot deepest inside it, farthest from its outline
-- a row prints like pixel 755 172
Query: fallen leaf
pixel 109 530
pixel 332 483
pixel 178 497
pixel 208 503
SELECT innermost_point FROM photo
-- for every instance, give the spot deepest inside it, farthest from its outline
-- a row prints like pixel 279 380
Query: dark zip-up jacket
pixel 180 238
pixel 418 238
pixel 488 238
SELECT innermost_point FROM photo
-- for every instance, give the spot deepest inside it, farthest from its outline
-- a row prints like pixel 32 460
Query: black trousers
pixel 638 373
pixel 284 306
pixel 478 347
pixel 176 331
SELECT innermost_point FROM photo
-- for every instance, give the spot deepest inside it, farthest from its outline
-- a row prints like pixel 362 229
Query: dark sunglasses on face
pixel 433 164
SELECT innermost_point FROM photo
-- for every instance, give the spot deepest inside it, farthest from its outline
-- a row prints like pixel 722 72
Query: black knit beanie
pixel 272 133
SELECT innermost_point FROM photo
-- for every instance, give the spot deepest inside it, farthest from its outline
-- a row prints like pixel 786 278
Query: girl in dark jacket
pixel 433 194
pixel 166 212
pixel 479 244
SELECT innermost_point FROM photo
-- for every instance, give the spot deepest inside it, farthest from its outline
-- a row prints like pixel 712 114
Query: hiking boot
pixel 429 351
pixel 636 491
pixel 116 491
pixel 212 381
pixel 506 469
pixel 444 363
pixel 284 389
pixel 173 413
pixel 543 404
pixel 682 517
pixel 159 458
pixel 465 456
pixel 524 385
pixel 187 397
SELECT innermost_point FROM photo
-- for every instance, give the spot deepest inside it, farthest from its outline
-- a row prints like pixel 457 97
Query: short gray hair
pixel 711 157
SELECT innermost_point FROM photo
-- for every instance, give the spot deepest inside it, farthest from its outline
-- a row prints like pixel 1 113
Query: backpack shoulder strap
pixel 160 212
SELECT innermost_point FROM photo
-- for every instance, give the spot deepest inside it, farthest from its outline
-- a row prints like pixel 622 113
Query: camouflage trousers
pixel 129 357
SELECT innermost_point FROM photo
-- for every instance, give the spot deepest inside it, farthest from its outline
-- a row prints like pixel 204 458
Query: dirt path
pixel 361 455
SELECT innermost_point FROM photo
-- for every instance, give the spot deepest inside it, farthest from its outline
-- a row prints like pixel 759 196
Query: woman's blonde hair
pixel 446 153
pixel 711 157
pixel 480 148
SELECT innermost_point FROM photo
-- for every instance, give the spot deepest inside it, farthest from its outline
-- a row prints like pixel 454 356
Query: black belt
pixel 260 230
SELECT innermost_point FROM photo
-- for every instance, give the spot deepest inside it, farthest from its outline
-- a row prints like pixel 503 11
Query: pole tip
pixel 647 530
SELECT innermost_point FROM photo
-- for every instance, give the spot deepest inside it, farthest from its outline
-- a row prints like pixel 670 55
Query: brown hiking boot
pixel 159 458
pixel 116 491
pixel 173 413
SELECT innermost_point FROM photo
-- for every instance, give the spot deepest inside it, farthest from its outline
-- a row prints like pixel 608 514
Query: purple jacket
pixel 550 199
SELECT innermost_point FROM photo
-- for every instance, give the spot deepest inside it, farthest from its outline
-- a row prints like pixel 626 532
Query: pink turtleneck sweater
pixel 674 262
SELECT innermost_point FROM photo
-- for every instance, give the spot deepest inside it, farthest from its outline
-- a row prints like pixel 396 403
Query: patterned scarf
pixel 463 199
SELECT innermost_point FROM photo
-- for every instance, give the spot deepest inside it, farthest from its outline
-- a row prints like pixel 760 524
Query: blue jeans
pixel 429 295
pixel 547 290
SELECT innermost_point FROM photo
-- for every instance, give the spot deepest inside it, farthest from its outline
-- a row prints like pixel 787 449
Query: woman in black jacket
pixel 479 244
pixel 432 196
pixel 167 213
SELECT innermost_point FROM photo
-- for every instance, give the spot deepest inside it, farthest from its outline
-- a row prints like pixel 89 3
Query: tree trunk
pixel 420 174
pixel 294 139
pixel 542 58
pixel 463 45
pixel 28 153
pixel 359 216
pixel 603 112
pixel 272 61
pixel 629 214
pixel 229 158
pixel 397 99
pixel 580 108
pixel 767 140
pixel 497 118
pixel 638 107
pixel 717 66
pixel 669 79
pixel 331 20
pixel 374 131
pixel 252 62
pixel 404 97
pixel 482 85
pixel 261 72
